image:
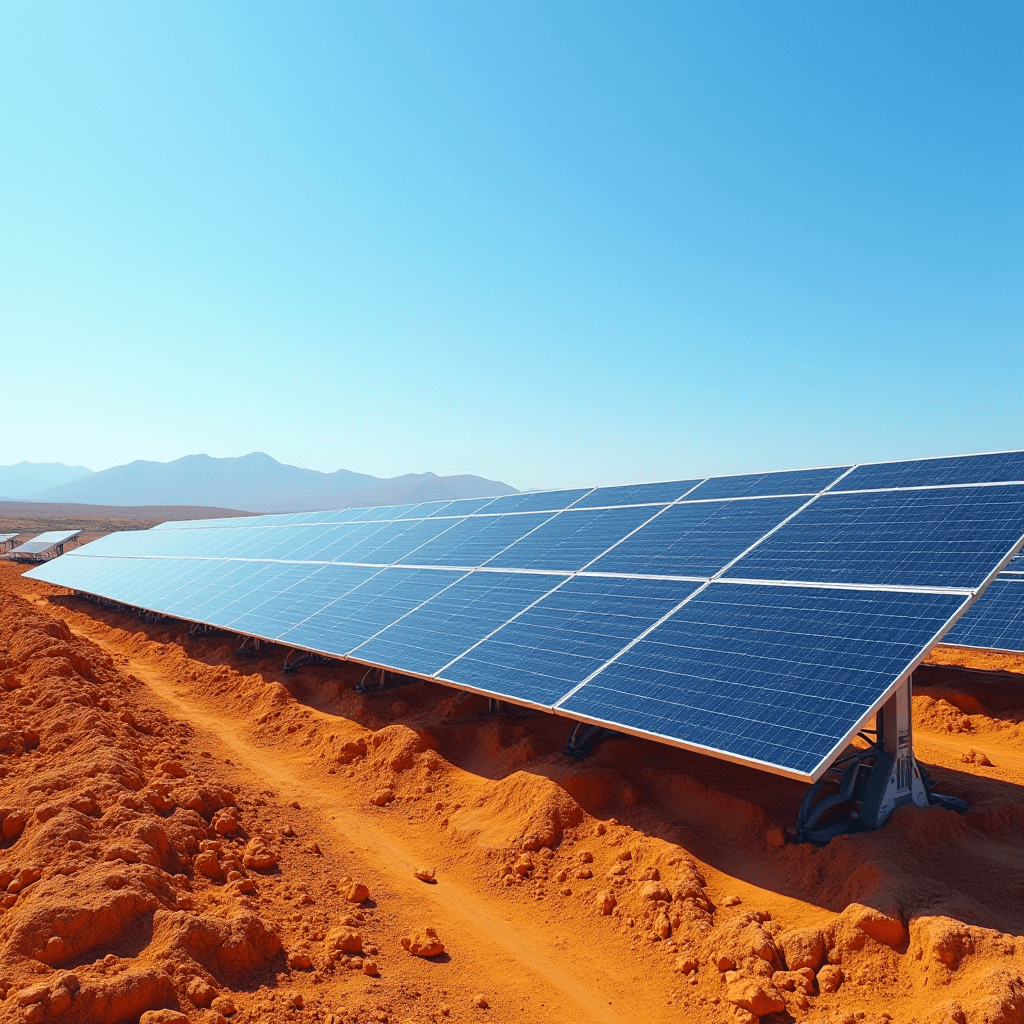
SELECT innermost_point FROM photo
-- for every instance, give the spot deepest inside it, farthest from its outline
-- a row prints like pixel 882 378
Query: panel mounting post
pixel 896 777
pixel 872 783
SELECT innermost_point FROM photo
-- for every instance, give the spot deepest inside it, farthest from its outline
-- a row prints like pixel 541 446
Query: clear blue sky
pixel 550 243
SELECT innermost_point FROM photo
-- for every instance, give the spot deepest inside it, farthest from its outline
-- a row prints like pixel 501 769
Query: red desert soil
pixel 190 835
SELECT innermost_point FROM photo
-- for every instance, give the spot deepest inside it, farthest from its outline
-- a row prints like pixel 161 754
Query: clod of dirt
pixel 791 981
pixel 802 947
pixel 354 892
pixel 370 968
pixel 480 1002
pixel 14 824
pixel 424 942
pixel 607 902
pixel 299 962
pixel 208 864
pixel 200 992
pixel 426 874
pixel 830 978
pixel 857 923
pixel 973 756
pixel 524 865
pixel 224 1005
pixel 342 939
pixel 382 797
pixel 655 891
pixel 163 1017
pixel 258 855
pixel 757 997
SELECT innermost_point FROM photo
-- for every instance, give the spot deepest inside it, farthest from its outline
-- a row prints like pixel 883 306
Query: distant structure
pixel 7 542
pixel 44 547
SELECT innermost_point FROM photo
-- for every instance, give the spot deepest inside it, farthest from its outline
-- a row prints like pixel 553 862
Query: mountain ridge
pixel 255 483
pixel 24 478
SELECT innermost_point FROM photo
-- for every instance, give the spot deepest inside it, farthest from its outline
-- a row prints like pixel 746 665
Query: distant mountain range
pixel 252 483
pixel 26 478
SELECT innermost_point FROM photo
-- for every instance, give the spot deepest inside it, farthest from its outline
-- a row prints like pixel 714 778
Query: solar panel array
pixel 996 620
pixel 45 541
pixel 758 618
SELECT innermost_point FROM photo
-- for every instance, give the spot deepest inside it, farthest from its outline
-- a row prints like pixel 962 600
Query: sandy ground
pixel 183 827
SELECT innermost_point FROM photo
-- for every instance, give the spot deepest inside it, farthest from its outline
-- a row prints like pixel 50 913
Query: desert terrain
pixel 189 834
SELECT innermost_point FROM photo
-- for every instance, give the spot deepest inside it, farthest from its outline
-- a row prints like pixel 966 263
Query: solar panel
pixel 996 620
pixel 46 541
pixel 761 618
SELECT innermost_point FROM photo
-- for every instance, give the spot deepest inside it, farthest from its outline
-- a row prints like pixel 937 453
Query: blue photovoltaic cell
pixel 403 546
pixel 426 508
pixel 210 524
pixel 946 537
pixel 216 587
pixel 536 501
pixel 778 675
pixel 245 601
pixel 430 637
pixel 463 507
pixel 369 608
pixel 318 543
pixel 801 481
pixel 565 637
pixel 636 494
pixel 310 589
pixel 342 515
pixel 382 512
pixel 570 540
pixel 370 542
pixel 696 538
pixel 995 620
pixel 471 542
pixel 961 469
pixel 273 544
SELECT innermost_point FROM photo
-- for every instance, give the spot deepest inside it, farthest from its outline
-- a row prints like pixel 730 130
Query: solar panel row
pixel 760 618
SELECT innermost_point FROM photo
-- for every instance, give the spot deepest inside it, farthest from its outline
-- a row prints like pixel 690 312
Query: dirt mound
pixel 522 811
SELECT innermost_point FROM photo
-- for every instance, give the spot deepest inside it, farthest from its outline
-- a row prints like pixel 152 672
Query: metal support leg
pixel 584 738
pixel 872 783
pixel 250 647
pixel 895 778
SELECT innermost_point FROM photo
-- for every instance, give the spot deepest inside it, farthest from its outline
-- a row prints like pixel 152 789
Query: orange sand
pixel 637 886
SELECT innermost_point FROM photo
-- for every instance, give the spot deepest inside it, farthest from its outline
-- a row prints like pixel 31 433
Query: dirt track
pixel 921 921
